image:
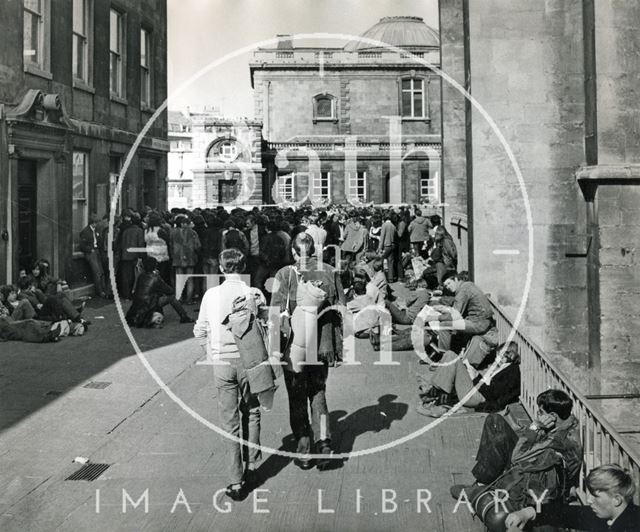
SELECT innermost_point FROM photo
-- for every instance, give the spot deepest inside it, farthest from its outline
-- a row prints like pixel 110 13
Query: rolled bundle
pixel 304 323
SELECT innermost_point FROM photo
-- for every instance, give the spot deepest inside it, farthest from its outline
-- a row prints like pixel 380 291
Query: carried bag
pixel 537 471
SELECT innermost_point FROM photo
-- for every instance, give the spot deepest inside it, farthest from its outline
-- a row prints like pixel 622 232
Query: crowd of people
pixel 304 267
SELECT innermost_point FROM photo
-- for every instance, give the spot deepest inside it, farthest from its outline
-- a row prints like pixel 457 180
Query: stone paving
pixel 153 444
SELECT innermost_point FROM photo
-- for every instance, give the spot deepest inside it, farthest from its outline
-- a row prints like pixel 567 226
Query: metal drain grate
pixel 89 472
pixel 97 385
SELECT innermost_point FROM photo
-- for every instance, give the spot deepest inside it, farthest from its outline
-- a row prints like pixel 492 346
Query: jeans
pixel 93 258
pixel 175 304
pixel 239 414
pixel 471 328
pixel 497 442
pixel 389 253
pixel 307 390
pixel 127 277
pixel 187 270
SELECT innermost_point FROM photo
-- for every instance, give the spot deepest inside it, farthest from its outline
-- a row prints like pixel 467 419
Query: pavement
pixel 166 466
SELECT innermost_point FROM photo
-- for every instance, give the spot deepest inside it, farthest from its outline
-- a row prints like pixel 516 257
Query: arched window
pixel 226 150
pixel 324 107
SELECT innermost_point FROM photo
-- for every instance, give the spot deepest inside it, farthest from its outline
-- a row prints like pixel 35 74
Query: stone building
pixel 180 161
pixel 359 122
pixel 214 160
pixel 559 78
pixel 78 81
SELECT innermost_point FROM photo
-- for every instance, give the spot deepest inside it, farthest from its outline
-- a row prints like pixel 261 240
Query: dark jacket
pixel 130 236
pixel 86 240
pixel 584 518
pixel 146 299
pixel 503 389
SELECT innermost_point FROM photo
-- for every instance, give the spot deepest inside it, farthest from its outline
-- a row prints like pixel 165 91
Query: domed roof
pixel 404 32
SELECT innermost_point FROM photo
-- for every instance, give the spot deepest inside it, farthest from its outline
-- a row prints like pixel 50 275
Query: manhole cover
pixel 98 385
pixel 89 472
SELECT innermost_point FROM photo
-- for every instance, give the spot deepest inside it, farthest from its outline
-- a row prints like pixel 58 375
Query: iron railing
pixel 602 443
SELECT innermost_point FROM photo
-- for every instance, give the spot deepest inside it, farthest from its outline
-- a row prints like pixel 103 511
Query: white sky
pixel 201 31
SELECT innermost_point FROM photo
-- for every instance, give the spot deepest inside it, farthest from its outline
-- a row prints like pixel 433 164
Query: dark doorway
pixel 149 188
pixel 387 189
pixel 227 191
pixel 27 213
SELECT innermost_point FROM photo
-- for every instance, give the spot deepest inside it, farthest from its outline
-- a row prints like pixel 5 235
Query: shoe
pixel 324 448
pixel 431 410
pixel 304 463
pixel 470 490
pixel 238 493
pixel 429 392
pixel 54 334
pixel 187 319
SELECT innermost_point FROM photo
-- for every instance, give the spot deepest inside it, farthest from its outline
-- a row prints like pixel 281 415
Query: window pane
pixel 115 73
pixel 324 108
pixel 406 84
pixel 78 16
pixel 417 104
pixel 31 38
pixel 78 222
pixel 114 32
pixel 143 47
pixel 79 165
pixel 406 104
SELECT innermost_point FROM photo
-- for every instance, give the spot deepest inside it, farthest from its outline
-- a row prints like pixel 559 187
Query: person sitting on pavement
pixel 444 255
pixel 552 441
pixel 454 378
pixel 18 309
pixel 473 306
pixel 24 330
pixel 610 506
pixel 151 295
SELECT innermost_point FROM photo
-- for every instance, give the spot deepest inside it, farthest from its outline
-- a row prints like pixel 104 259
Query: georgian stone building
pixel 358 123
pixel 78 81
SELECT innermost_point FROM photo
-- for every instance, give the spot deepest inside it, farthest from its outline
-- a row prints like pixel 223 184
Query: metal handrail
pixel 602 443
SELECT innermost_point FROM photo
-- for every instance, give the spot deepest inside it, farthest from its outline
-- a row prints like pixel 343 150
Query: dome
pixel 404 32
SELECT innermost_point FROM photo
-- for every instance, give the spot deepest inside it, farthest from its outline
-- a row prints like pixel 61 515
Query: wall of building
pixel 614 183
pixel 101 126
pixel 454 132
pixel 527 73
pixel 284 103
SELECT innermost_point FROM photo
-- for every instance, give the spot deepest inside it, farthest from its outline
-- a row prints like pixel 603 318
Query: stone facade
pixel 567 105
pixel 48 115
pixel 366 145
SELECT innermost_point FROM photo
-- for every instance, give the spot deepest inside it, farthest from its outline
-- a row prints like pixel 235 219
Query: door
pixel 387 189
pixel 149 190
pixel 227 191
pixel 27 213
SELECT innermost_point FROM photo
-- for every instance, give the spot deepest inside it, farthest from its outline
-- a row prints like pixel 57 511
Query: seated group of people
pixel 537 465
pixel 38 308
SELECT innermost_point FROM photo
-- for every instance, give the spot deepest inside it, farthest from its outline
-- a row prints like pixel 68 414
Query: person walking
pixel 185 246
pixel 307 389
pixel 387 246
pixel 238 409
